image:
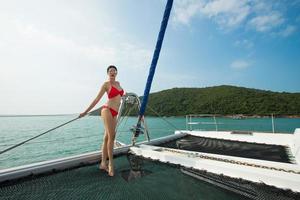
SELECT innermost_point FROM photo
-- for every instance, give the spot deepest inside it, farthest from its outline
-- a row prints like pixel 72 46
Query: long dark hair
pixel 111 66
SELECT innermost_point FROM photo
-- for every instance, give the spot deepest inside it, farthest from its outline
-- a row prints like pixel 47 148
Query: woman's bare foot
pixel 111 171
pixel 103 166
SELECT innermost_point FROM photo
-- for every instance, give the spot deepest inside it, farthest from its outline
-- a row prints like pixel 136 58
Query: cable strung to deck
pixel 159 42
pixel 21 143
pixel 52 129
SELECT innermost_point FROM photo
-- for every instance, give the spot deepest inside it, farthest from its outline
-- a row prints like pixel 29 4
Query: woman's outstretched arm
pixel 96 100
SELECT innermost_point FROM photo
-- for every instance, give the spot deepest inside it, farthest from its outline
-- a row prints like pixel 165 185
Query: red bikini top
pixel 114 92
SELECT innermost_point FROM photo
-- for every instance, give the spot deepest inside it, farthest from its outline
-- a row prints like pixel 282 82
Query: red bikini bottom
pixel 112 111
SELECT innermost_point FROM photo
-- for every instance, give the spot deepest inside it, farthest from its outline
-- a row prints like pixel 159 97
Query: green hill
pixel 224 100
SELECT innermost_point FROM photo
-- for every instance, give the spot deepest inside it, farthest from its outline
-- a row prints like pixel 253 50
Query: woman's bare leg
pixel 110 124
pixel 103 164
pixel 110 148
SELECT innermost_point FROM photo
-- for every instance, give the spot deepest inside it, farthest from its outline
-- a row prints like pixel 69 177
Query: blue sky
pixel 54 53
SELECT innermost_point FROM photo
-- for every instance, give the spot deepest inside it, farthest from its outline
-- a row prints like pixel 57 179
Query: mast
pixel 155 57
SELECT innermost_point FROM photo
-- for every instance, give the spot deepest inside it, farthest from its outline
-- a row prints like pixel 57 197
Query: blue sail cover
pixel 160 39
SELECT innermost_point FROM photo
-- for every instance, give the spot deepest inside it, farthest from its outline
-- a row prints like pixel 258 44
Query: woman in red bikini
pixel 109 113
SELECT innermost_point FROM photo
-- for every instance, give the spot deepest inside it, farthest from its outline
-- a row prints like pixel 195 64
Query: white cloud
pixel 260 7
pixel 44 64
pixel 260 15
pixel 33 37
pixel 289 30
pixel 266 22
pixel 184 11
pixel 244 43
pixel 240 64
pixel 133 56
pixel 228 13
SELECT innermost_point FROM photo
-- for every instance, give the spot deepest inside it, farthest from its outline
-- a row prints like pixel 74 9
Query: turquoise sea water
pixel 85 135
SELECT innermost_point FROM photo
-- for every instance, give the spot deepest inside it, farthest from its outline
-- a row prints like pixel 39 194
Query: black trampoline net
pixel 139 178
pixel 275 153
pixel 157 181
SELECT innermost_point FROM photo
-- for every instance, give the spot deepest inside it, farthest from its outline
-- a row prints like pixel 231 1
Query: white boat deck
pixel 280 175
pixel 68 162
